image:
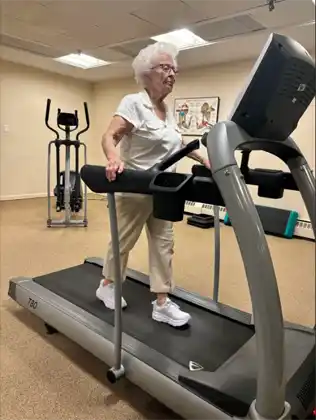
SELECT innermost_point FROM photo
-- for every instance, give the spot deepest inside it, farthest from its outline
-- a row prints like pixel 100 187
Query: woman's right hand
pixel 114 166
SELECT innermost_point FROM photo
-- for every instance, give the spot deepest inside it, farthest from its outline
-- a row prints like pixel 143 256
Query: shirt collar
pixel 146 99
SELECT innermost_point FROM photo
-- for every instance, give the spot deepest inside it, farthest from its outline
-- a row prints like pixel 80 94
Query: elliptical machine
pixel 68 191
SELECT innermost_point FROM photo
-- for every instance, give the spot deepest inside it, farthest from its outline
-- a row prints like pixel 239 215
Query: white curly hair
pixel 146 58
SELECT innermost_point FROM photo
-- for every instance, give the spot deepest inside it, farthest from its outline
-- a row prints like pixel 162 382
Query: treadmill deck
pixel 210 341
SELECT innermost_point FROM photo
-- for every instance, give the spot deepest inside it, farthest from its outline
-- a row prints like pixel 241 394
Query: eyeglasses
pixel 167 68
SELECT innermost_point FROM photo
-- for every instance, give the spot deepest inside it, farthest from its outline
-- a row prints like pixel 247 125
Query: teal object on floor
pixel 278 222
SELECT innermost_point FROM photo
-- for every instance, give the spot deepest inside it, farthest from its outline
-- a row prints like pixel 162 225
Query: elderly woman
pixel 147 133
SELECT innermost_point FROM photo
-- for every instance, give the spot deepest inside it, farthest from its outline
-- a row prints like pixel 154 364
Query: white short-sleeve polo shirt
pixel 151 139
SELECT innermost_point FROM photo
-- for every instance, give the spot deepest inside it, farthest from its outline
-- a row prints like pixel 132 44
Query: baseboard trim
pixel 23 196
pixel 41 195
pixel 303 229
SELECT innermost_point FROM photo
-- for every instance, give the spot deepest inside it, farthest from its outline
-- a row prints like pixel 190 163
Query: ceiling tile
pixel 129 6
pixel 249 22
pixel 79 13
pixel 107 54
pixel 218 8
pixel 230 50
pixel 30 11
pixel 11 7
pixel 286 13
pixel 129 28
pixel 168 15
pixel 17 29
pixel 105 29
pixel 22 44
pixel 131 49
pixel 73 38
pixel 214 30
pixel 305 35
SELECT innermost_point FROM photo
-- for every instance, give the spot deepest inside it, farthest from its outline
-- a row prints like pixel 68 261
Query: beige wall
pixel 24 147
pixel 24 136
pixel 224 81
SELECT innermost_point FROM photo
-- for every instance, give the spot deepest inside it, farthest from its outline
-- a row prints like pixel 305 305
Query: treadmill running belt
pixel 210 341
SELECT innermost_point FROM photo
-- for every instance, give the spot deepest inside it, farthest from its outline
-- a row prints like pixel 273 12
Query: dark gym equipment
pixel 68 190
pixel 203 221
pixel 277 222
pixel 229 363
pixel 75 198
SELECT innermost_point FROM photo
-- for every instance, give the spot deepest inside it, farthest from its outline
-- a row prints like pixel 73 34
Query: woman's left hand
pixel 207 163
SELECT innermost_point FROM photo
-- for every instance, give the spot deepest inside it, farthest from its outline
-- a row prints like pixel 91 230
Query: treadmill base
pixel 155 366
pixel 96 337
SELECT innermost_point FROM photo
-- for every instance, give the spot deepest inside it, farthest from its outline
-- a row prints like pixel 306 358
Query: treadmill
pixel 227 363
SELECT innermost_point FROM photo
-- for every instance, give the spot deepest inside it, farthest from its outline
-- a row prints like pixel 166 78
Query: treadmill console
pixel 278 91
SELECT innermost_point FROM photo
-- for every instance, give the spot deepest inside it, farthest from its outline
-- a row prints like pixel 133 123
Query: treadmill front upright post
pixel 117 371
pixel 263 291
pixel 217 253
pixel 222 141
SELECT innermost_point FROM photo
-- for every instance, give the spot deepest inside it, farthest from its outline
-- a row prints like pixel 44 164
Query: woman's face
pixel 162 75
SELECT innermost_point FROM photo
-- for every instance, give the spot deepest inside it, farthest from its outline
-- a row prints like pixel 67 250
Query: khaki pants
pixel 133 213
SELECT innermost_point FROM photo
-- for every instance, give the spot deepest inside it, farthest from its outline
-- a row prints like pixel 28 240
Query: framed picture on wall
pixel 194 116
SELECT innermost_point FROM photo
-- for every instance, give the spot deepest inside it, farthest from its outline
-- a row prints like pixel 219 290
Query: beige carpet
pixel 49 377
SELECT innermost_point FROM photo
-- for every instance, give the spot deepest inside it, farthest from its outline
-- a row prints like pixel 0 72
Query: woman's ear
pixel 145 79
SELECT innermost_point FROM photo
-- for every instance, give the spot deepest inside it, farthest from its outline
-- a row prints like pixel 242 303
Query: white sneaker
pixel 170 313
pixel 107 295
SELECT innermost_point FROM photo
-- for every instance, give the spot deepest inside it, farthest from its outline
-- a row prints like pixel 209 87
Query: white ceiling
pixel 35 31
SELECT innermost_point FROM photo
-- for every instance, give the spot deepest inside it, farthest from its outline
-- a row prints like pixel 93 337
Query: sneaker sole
pixel 173 323
pixel 108 304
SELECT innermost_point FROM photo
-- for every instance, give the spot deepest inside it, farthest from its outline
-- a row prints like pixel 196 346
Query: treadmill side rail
pixel 81 328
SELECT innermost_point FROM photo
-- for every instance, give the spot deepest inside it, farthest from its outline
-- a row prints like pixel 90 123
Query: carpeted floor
pixel 49 377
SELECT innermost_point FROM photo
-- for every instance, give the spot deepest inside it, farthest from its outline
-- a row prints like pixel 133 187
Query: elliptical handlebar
pixel 48 103
pixel 72 117
pixel 86 111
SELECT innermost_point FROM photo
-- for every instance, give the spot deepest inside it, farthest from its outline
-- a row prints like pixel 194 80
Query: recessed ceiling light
pixel 182 38
pixel 81 60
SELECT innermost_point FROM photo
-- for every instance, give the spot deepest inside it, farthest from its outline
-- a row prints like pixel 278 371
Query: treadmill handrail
pixel 175 157
pixel 202 188
pixel 130 180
